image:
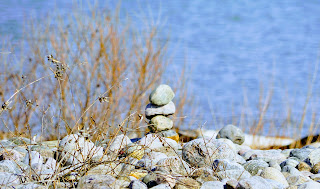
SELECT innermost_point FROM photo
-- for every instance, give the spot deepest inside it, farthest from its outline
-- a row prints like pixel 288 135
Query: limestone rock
pixel 136 184
pixel 8 179
pixel 212 185
pixel 153 110
pixel 254 167
pixel 160 123
pixel 232 133
pixel 162 95
pixel 174 165
pixel 201 152
pixel 97 181
pixel 76 149
pixel 255 182
pixel 274 174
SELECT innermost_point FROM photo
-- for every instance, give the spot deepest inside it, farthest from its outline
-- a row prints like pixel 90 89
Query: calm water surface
pixel 231 48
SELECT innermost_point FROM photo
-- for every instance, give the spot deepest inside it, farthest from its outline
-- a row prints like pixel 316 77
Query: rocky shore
pixel 157 160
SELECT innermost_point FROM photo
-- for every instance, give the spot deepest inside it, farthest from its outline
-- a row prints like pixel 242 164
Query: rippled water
pixel 231 48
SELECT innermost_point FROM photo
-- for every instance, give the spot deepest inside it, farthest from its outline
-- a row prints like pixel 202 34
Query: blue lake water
pixel 231 49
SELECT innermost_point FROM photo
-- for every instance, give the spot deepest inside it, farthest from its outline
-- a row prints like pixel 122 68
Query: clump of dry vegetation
pixel 84 71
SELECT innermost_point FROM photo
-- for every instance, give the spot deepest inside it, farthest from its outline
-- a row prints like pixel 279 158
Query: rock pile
pixel 156 161
pixel 159 110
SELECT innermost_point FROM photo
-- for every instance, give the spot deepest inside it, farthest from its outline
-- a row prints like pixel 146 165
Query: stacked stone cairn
pixel 159 110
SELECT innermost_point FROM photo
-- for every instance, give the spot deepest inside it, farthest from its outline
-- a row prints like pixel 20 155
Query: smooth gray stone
pixel 22 141
pixel 309 185
pixel 201 152
pixel 212 185
pixel 276 185
pixel 174 166
pixel 153 110
pixel 118 143
pixel 44 151
pixel 160 123
pixel 274 174
pixel 233 174
pixel 297 179
pixel 150 159
pixel 186 182
pixel 36 160
pixel 168 133
pixel 150 179
pixel 314 157
pixel 275 165
pixel 232 133
pixel 291 170
pixel 162 95
pixel 76 149
pixel 9 167
pixel 301 154
pixel 8 179
pixel 96 181
pixel 50 164
pixel 265 155
pixel 224 164
pixel 7 144
pixel 255 166
pixel 286 152
pixel 10 154
pixel 204 174
pixel 255 182
pixel 136 184
pixel 290 162
pixel 30 186
pixel 161 186
pixel 157 143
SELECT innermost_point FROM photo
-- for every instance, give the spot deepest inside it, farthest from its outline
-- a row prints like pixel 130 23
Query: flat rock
pixel 162 95
pixel 153 110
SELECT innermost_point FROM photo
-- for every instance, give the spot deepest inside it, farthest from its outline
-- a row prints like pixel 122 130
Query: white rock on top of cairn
pixel 160 107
